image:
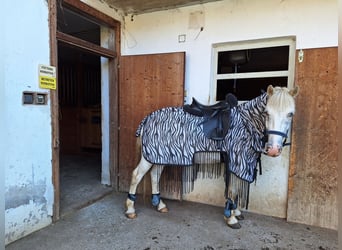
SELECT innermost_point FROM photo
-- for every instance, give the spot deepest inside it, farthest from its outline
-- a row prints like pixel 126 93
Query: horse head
pixel 280 109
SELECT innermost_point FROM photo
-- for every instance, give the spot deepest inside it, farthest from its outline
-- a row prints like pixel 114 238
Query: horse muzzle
pixel 274 145
pixel 273 150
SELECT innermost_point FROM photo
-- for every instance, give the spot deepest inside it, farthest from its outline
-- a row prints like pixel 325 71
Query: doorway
pixel 80 119
pixel 246 68
pixel 84 156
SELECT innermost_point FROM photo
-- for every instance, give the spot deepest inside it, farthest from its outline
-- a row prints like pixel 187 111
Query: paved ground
pixel 188 225
pixel 80 177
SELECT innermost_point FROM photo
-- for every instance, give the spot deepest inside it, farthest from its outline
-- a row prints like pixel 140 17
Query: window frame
pixel 252 44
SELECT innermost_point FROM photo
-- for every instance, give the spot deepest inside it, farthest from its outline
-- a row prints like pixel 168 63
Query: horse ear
pixel 270 90
pixel 294 91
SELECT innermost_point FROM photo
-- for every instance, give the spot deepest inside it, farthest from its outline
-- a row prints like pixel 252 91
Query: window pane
pixel 71 23
pixel 247 89
pixel 253 60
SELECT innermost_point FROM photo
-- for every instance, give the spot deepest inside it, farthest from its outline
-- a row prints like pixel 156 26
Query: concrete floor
pixel 188 225
pixel 80 181
pixel 93 218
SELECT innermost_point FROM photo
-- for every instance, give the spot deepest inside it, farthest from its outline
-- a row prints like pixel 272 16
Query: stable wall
pixel 27 128
pixel 313 23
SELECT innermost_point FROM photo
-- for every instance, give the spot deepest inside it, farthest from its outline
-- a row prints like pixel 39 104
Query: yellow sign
pixel 47 77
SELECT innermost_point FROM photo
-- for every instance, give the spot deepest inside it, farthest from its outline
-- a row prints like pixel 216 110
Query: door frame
pixel 259 193
pixel 113 55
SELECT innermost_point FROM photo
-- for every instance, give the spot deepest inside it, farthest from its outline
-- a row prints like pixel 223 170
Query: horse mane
pixel 281 100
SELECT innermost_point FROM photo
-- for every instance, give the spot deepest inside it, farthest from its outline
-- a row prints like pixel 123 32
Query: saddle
pixel 216 120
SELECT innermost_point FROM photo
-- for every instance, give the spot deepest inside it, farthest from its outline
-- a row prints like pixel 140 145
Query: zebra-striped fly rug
pixel 171 136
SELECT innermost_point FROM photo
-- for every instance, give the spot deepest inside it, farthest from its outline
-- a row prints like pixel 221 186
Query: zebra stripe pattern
pixel 172 136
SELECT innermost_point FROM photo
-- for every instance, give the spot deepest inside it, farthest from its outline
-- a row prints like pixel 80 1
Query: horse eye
pixel 290 115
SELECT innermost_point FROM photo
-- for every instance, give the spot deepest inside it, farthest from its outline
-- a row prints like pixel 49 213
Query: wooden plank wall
pixel 313 167
pixel 147 83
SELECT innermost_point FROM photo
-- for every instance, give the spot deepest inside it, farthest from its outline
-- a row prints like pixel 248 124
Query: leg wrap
pixel 132 197
pixel 155 199
pixel 233 205
pixel 228 208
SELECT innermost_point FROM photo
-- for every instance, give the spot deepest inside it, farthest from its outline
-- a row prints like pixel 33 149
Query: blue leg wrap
pixel 155 199
pixel 233 205
pixel 132 197
pixel 228 208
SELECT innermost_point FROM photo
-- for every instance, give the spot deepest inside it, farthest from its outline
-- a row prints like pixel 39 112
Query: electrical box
pixel 40 98
pixel 28 98
pixel 34 98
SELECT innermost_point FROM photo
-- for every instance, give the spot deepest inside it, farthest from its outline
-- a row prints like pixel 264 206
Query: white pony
pixel 171 136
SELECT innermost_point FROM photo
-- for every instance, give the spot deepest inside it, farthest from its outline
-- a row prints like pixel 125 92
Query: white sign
pixel 47 77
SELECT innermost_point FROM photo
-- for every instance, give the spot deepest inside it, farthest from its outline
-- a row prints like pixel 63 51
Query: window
pixel 246 68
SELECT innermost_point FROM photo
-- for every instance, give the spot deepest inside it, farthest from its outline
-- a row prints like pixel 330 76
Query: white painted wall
pixel 27 128
pixel 105 168
pixel 313 22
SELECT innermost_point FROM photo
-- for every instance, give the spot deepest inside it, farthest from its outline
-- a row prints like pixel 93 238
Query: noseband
pixel 275 132
pixel 265 139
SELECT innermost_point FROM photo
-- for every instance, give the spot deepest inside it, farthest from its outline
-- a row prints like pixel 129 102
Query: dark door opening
pixel 80 116
pixel 251 61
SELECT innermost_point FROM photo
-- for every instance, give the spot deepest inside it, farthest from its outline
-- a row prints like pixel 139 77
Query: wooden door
pixel 314 169
pixel 147 83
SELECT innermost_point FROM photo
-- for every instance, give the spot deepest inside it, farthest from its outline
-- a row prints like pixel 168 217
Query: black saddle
pixel 216 120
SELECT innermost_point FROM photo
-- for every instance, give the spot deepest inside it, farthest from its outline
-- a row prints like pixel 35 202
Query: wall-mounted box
pixel 34 98
pixel 28 98
pixel 41 98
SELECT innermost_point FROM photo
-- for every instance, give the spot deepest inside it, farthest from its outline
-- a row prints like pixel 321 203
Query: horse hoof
pixel 163 210
pixel 234 226
pixel 131 216
pixel 240 217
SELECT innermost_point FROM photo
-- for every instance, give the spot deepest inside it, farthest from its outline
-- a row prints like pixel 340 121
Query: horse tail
pixel 138 147
pixel 138 134
pixel 139 143
pixel 139 130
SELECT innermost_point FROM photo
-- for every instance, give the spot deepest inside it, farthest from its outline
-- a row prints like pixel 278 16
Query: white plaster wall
pixel 313 22
pixel 268 195
pixel 105 168
pixel 105 8
pixel 27 136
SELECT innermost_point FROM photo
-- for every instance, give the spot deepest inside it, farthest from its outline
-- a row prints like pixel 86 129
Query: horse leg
pixel 237 213
pixel 229 214
pixel 155 178
pixel 137 175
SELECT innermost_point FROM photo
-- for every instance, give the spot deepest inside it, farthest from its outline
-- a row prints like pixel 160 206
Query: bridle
pixel 275 132
pixel 265 139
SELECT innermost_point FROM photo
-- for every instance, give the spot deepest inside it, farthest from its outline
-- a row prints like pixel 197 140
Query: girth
pixel 216 120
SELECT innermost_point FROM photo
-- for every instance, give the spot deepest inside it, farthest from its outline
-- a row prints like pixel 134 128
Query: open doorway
pixel 80 128
pixel 86 90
